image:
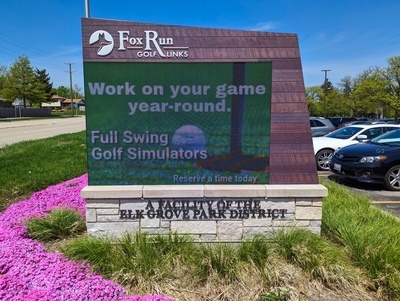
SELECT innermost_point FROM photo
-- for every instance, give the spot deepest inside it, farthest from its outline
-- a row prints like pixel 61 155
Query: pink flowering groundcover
pixel 28 272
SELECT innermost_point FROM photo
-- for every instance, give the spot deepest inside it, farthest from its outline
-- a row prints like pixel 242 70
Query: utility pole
pixel 325 91
pixel 70 88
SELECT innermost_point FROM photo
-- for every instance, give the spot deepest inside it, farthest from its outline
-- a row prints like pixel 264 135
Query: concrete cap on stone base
pixel 221 191
pixel 298 191
pixel 112 192
pixel 173 191
pixel 201 191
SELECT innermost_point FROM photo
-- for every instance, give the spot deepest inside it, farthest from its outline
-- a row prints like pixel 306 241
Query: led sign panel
pixel 178 123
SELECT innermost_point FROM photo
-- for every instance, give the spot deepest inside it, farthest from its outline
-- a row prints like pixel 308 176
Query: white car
pixel 325 146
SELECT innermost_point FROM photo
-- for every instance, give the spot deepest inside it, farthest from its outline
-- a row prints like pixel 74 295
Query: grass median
pixel 357 256
pixel 30 166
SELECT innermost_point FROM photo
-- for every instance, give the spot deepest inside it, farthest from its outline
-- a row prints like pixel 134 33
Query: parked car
pixel 325 146
pixel 384 120
pixel 353 123
pixel 320 126
pixel 336 121
pixel 375 161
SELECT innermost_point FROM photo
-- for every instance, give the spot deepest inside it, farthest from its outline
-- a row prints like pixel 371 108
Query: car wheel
pixel 323 158
pixel 392 178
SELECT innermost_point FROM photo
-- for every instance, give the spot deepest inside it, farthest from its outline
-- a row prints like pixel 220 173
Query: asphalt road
pixel 32 129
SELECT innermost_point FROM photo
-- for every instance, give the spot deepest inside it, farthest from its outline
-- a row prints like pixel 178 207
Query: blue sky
pixel 345 36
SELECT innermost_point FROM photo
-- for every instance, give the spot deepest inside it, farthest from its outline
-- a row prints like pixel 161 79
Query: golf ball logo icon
pixel 189 137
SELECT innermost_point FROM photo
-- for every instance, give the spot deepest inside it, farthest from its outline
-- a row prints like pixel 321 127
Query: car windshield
pixel 390 138
pixel 344 133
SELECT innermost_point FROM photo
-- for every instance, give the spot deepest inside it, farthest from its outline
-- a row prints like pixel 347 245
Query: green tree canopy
pixel 314 94
pixel 361 95
pixel 321 104
pixel 3 70
pixel 21 82
pixel 327 86
pixel 66 92
pixel 44 78
pixel 62 91
pixel 391 77
pixel 367 96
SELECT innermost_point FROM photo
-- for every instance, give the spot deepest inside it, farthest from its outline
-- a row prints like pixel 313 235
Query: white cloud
pixel 265 26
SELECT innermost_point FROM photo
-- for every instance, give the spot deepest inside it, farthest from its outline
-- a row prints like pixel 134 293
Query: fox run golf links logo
pixel 106 42
pixel 148 46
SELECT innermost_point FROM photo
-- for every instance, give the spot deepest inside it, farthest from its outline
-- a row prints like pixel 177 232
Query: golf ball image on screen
pixel 189 137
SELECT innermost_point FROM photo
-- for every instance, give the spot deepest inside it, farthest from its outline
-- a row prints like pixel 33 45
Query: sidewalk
pixel 32 129
pixel 22 122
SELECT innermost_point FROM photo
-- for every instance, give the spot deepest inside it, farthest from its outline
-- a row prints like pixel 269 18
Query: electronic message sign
pixel 182 105
pixel 178 123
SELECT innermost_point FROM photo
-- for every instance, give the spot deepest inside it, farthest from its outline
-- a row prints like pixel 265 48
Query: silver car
pixel 320 126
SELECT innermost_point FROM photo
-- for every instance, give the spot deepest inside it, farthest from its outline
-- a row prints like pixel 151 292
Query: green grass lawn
pixel 29 166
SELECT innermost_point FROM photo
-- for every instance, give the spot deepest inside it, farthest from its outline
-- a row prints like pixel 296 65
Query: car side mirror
pixel 362 137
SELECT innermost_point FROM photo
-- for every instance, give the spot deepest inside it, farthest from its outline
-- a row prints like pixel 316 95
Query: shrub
pixel 58 224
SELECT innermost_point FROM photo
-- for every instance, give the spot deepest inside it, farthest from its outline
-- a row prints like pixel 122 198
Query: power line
pixel 19 44
pixel 13 48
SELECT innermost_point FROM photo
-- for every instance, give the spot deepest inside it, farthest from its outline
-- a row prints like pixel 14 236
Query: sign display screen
pixel 151 123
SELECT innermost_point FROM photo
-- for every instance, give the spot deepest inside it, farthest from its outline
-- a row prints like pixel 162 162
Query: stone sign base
pixel 209 213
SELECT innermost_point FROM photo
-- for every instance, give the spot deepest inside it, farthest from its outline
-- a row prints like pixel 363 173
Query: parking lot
pixel 385 199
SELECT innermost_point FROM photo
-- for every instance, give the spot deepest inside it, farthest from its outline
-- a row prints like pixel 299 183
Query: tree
pixel 314 94
pixel 327 87
pixel 334 103
pixel 361 95
pixel 62 91
pixel 346 84
pixel 3 70
pixel 21 82
pixel 368 95
pixel 44 78
pixel 374 91
pixel 77 91
pixel 391 76
pixel 318 105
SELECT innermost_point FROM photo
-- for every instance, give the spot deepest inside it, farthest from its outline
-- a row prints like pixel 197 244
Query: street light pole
pixel 87 9
pixel 326 74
